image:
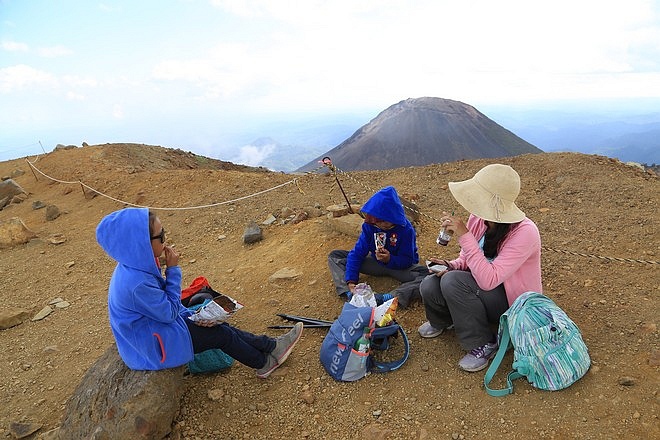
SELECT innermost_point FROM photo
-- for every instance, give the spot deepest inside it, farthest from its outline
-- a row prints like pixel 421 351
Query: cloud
pixel 13 46
pixel 21 76
pixel 54 51
pixel 252 155
pixel 117 111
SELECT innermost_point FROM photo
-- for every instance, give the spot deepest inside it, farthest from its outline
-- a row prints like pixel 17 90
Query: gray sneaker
pixel 477 359
pixel 426 330
pixel 271 365
pixel 283 347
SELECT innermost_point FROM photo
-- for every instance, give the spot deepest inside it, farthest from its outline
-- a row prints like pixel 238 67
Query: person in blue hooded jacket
pixel 387 246
pixel 147 319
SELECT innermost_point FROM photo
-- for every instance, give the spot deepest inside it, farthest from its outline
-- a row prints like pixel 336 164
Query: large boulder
pixel 14 232
pixel 114 402
pixel 9 188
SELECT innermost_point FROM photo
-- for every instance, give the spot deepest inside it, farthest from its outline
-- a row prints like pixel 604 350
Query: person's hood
pixel 124 236
pixel 386 205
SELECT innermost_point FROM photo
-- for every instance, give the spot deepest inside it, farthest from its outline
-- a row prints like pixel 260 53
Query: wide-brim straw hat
pixel 490 194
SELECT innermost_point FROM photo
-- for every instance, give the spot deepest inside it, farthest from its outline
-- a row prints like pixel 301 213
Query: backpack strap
pixel 505 341
pixel 384 367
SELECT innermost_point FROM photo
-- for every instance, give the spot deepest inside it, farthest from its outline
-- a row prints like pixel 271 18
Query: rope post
pixel 32 169
pixel 328 163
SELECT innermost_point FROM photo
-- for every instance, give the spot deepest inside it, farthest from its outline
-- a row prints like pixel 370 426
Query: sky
pixel 205 75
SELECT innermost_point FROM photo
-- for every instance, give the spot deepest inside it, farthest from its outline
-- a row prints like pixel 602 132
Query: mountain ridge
pixel 420 131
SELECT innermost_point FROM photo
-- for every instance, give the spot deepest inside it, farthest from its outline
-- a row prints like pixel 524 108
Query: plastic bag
pixel 363 296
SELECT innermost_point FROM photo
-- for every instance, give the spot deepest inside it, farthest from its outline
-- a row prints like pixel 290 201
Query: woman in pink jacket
pixel 500 259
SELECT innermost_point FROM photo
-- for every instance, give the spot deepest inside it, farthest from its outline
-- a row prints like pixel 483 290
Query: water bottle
pixel 362 344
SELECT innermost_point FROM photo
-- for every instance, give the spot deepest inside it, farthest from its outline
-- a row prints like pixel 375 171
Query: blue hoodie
pixel 145 310
pixel 400 241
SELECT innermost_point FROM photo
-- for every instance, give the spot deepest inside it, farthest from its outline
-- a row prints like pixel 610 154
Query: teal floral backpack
pixel 548 348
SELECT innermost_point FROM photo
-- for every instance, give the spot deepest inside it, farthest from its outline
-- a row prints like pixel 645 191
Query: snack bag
pixel 218 309
pixel 387 308
pixel 379 239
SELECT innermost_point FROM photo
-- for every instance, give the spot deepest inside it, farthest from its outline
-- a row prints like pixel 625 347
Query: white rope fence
pixel 333 169
pixel 184 208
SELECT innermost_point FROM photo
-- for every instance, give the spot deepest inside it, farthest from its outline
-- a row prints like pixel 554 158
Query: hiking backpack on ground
pixel 547 345
pixel 193 297
pixel 338 355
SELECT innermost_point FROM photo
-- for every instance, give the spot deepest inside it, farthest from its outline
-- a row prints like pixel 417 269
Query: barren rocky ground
pixel 594 214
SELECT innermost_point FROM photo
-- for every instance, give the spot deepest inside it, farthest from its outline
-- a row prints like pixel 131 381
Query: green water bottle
pixel 362 344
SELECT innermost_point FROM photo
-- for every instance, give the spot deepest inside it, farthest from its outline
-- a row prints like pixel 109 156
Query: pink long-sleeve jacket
pixel 517 264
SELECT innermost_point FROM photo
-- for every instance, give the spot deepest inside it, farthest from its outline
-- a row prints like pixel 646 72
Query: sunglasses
pixel 160 236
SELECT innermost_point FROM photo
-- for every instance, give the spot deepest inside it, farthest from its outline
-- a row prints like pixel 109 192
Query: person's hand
pixel 351 288
pixel 206 323
pixel 171 257
pixel 382 255
pixel 453 224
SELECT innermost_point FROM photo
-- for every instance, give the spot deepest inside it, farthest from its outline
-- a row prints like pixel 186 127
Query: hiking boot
pixel 426 330
pixel 382 297
pixel 477 359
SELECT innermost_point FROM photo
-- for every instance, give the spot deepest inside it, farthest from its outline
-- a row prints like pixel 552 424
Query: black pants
pixel 246 348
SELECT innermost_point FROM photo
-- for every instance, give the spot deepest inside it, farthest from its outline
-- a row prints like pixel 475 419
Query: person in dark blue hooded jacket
pixel 387 246
pixel 149 323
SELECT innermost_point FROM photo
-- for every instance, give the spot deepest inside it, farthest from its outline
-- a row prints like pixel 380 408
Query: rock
pixel 38 204
pixel 53 434
pixel 252 233
pixel 22 430
pixel 114 402
pixel 14 232
pixel 286 273
pixel 299 217
pixel 19 198
pixel 337 210
pixel 654 358
pixel 12 317
pixel 64 147
pixel 216 394
pixel 627 381
pixel 17 173
pixel 52 212
pixel 307 397
pixel 313 211
pixel 350 225
pixel 9 188
pixel 269 221
pixel 4 202
pixel 57 239
pixel 43 313
pixel 287 212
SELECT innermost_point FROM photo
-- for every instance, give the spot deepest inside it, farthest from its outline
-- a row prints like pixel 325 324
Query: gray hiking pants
pixel 455 298
pixel 409 278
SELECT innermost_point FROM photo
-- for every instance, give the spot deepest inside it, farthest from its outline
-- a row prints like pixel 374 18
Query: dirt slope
pixel 582 204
